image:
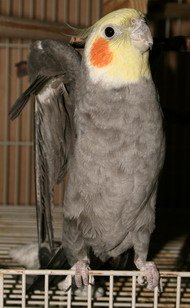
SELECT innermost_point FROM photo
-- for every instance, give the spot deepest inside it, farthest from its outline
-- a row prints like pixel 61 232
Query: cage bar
pixel 46 288
pixel 23 290
pixel 1 290
pixel 178 291
pixel 133 292
pixel 111 301
pixel 17 131
pixel 156 297
pixel 90 292
pixel 111 281
pixel 69 293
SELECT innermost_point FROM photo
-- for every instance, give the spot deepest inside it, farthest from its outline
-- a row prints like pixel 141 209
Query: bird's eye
pixel 109 31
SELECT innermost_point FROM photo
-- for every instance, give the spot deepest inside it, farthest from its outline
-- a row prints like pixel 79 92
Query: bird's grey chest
pixel 115 128
pixel 117 149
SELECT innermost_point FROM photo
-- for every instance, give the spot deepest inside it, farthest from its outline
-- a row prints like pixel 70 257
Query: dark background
pixel 171 71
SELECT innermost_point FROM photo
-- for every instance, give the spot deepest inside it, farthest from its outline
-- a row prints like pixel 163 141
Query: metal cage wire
pixel 120 287
pixel 178 296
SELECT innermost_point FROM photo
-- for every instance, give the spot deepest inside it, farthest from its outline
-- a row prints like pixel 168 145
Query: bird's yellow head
pixel 116 51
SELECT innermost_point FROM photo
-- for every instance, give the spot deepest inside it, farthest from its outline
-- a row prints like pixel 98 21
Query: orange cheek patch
pixel 100 54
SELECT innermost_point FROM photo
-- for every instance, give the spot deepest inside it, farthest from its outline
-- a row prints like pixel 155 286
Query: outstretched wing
pixel 53 69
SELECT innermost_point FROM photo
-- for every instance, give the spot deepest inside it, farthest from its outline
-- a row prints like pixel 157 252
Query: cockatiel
pixel 98 119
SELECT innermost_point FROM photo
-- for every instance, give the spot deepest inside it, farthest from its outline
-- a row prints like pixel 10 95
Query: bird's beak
pixel 140 35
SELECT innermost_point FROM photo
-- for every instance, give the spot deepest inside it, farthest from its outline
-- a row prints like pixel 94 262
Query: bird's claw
pixel 149 275
pixel 81 273
pixel 81 276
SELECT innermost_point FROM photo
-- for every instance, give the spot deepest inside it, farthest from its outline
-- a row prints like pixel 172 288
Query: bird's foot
pixel 81 273
pixel 81 277
pixel 149 274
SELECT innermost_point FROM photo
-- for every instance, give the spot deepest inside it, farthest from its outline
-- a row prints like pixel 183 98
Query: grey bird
pixel 98 120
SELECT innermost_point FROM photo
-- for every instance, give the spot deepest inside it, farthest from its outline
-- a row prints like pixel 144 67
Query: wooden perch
pixel 11 27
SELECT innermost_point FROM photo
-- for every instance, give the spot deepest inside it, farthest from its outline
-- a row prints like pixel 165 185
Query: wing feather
pixel 53 69
pixel 20 103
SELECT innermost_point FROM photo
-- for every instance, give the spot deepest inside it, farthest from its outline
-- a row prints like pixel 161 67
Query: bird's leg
pixel 76 253
pixel 150 274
